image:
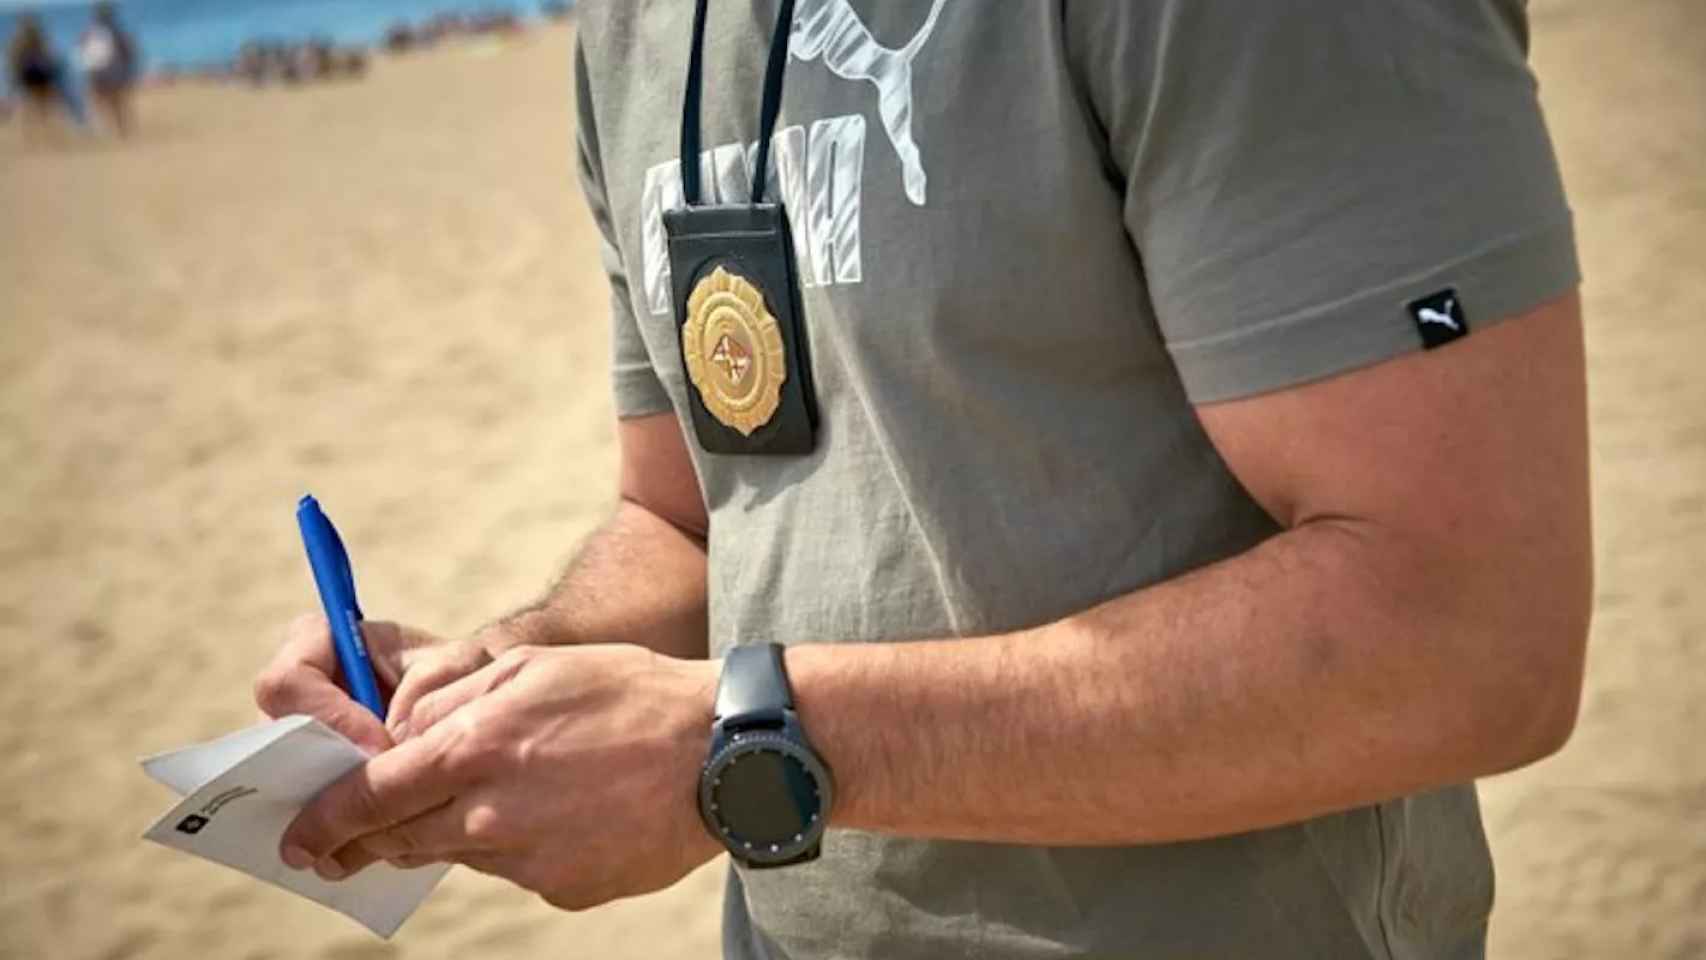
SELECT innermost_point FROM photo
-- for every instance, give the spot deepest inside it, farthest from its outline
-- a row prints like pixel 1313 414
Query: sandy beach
pixel 388 292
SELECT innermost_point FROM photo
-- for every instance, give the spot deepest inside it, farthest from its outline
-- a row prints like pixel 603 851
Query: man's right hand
pixel 409 663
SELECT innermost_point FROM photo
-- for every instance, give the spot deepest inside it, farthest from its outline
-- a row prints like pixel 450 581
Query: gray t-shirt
pixel 1031 236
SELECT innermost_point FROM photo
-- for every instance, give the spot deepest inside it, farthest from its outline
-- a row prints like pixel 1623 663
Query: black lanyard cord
pixel 768 109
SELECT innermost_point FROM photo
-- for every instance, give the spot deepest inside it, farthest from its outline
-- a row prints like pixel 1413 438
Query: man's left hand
pixel 570 771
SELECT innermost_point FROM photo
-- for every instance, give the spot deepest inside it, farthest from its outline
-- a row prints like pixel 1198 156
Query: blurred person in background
pixel 38 76
pixel 1199 503
pixel 110 62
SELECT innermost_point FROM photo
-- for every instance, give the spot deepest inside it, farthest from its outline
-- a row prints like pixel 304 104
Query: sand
pixel 387 292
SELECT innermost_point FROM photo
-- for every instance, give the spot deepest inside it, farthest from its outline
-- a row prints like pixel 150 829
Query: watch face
pixel 766 797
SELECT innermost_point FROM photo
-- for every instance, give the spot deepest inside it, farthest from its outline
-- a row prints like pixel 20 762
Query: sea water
pixel 195 33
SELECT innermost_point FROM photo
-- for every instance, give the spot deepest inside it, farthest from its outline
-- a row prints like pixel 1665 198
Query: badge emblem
pixel 733 349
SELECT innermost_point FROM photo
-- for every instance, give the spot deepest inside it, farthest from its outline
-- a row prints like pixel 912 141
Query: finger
pixel 438 834
pixel 431 672
pixel 412 843
pixel 422 679
pixel 349 860
pixel 306 652
pixel 435 706
pixel 300 679
pixel 388 646
pixel 355 857
pixel 491 864
pixel 395 785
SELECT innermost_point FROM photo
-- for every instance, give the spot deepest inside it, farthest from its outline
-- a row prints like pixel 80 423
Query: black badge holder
pixel 736 292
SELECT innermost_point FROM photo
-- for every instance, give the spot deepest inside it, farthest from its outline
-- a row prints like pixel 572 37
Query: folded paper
pixel 241 791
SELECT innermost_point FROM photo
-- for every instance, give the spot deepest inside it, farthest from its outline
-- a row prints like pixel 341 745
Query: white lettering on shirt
pixel 818 177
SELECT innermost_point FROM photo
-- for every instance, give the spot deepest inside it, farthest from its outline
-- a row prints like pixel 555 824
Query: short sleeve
pixel 1296 175
pixel 638 391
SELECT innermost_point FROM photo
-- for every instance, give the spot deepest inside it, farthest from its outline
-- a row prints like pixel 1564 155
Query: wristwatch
pixel 764 793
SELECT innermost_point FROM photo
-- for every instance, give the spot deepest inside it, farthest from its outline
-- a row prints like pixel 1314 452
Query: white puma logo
pixel 831 29
pixel 1430 315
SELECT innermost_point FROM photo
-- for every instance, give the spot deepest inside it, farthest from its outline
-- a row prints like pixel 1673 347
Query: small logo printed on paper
pixel 1439 318
pixel 195 822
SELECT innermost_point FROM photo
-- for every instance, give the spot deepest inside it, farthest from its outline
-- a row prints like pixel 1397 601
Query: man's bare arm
pixel 1421 622
pixel 640 578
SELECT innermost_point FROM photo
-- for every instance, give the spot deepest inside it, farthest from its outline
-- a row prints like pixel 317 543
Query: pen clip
pixel 344 570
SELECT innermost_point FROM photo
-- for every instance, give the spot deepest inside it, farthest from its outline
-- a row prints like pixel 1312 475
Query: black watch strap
pixel 754 687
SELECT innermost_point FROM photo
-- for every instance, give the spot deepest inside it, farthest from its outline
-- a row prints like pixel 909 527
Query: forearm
pixel 1320 671
pixel 638 579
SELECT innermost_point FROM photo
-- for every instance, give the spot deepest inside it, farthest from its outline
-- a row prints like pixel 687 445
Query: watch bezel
pixel 728 749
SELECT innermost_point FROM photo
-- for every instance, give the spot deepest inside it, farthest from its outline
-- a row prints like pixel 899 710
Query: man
pixel 34 71
pixel 1197 503
pixel 110 61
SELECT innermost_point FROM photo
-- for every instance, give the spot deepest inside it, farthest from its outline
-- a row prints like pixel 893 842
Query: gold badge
pixel 733 349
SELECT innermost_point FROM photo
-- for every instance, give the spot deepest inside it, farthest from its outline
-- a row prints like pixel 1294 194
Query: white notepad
pixel 242 790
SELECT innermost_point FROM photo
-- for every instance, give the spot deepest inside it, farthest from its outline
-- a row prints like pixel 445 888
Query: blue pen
pixel 332 575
